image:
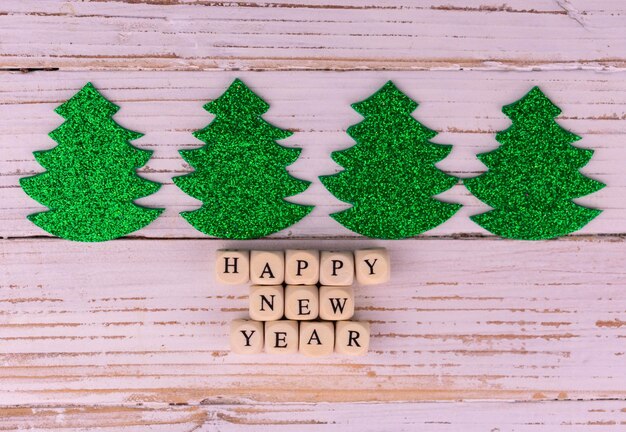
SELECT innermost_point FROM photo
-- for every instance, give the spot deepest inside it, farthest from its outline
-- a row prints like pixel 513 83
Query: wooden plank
pixel 109 336
pixel 311 34
pixel 139 321
pixel 603 416
pixel 465 107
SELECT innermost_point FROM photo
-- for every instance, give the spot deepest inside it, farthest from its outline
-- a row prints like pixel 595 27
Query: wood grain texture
pixel 226 416
pixel 473 333
pixel 460 319
pixel 312 34
pixel 465 107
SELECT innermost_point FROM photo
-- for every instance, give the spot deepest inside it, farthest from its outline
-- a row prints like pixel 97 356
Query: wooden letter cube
pixel 266 302
pixel 302 267
pixel 336 303
pixel 317 338
pixel 372 266
pixel 232 267
pixel 337 268
pixel 267 267
pixel 302 302
pixel 352 337
pixel 246 337
pixel 281 337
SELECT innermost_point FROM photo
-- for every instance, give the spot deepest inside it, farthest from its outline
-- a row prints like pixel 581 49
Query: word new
pixel 301 300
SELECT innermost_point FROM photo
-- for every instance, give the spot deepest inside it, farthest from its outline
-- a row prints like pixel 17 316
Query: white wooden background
pixel 473 333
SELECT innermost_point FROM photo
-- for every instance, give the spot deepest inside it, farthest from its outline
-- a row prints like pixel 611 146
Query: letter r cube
pixel 352 337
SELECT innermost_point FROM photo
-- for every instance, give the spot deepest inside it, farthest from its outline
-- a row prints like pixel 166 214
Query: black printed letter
pixel 337 264
pixel 265 300
pixel 267 269
pixel 248 337
pixel 337 305
pixel 314 336
pixel 371 266
pixel 303 307
pixel 233 265
pixel 353 335
pixel 301 266
pixel 281 338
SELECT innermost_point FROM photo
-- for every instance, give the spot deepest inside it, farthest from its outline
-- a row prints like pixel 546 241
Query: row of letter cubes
pixel 311 338
pixel 301 302
pixel 303 267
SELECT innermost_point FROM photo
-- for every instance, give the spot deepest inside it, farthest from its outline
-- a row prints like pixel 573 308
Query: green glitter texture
pixel 240 174
pixel 534 175
pixel 90 182
pixel 390 175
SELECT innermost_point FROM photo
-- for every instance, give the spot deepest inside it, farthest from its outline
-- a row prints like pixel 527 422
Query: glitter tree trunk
pixel 534 175
pixel 390 176
pixel 90 182
pixel 240 174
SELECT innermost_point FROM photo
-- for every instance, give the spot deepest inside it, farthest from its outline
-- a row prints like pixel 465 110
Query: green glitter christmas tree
pixel 90 182
pixel 534 175
pixel 390 176
pixel 240 174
